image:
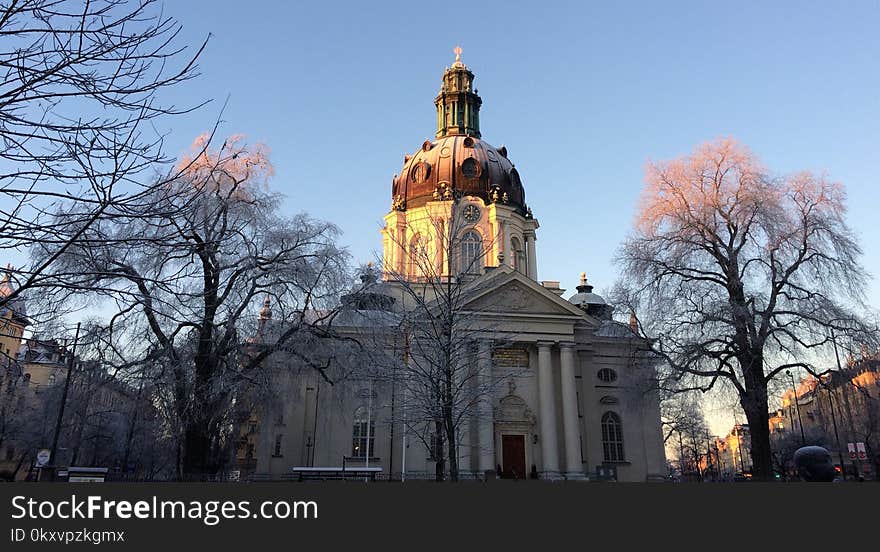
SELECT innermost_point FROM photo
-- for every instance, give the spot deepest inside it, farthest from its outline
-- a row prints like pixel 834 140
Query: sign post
pixel 43 457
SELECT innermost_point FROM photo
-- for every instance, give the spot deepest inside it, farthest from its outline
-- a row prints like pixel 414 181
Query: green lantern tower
pixel 458 105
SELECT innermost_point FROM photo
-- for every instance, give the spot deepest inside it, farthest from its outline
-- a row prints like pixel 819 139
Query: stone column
pixel 547 408
pixel 530 239
pixel 485 412
pixel 571 430
pixel 401 248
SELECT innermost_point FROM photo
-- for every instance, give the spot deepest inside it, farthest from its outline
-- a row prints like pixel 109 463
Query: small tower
pixel 633 322
pixel 13 318
pixel 265 315
pixel 458 105
pixel 590 302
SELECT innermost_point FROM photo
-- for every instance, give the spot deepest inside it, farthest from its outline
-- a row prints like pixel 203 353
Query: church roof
pixel 494 280
pixel 611 328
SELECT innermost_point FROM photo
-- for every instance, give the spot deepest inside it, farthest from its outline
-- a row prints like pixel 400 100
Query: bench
pixel 313 473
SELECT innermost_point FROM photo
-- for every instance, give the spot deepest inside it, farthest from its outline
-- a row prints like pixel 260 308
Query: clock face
pixel 471 213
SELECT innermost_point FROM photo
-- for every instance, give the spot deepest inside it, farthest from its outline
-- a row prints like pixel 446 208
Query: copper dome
pixel 460 165
pixel 458 162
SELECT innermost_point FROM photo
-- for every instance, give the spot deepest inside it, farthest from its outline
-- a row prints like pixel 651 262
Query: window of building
pixel 612 437
pixel 10 453
pixel 471 253
pixel 362 437
pixel 607 375
pixel 519 256
pixel 277 450
pixel 470 168
pixel 418 256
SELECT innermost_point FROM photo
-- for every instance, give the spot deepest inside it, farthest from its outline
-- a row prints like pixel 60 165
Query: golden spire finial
pixel 583 278
pixel 457 51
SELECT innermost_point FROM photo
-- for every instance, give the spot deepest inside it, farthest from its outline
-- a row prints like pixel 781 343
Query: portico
pixel 536 403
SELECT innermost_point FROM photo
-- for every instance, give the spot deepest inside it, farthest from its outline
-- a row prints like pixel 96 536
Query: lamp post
pixel 836 434
pixel 797 407
pixel 71 359
pixel 831 405
pixel 739 448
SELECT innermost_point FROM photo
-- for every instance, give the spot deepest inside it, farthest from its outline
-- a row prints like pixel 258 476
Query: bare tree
pixel 443 390
pixel 685 430
pixel 739 276
pixel 81 108
pixel 186 276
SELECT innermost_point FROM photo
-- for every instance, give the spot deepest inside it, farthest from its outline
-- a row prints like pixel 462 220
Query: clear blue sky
pixel 581 93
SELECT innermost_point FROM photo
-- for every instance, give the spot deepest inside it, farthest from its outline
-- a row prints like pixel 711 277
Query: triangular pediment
pixel 512 293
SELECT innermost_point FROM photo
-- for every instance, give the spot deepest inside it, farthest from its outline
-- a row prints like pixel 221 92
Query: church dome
pixel 461 165
pixel 458 162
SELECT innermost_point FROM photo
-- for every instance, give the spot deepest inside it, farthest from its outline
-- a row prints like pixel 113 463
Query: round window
pixel 470 168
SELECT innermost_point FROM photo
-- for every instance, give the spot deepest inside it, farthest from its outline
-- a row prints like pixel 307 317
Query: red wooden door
pixel 513 452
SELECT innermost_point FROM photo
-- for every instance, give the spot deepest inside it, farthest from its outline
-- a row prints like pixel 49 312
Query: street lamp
pixel 797 407
pixel 836 434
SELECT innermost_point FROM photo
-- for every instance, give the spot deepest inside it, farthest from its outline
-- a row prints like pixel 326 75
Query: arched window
pixel 471 253
pixel 362 438
pixel 417 256
pixel 519 257
pixel 612 437
pixel 607 375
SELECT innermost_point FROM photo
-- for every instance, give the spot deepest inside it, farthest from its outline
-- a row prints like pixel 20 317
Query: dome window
pixel 607 375
pixel 420 172
pixel 468 142
pixel 470 168
pixel 515 182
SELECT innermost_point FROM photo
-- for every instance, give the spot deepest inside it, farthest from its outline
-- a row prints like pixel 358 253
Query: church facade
pixel 565 392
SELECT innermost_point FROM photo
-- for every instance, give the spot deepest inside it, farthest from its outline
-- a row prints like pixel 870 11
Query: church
pixel 557 389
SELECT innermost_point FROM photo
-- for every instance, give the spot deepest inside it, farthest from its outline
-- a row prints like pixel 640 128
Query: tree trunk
pixel 198 437
pixel 754 404
pixel 439 454
pixel 196 447
pixel 453 451
pixel 449 427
